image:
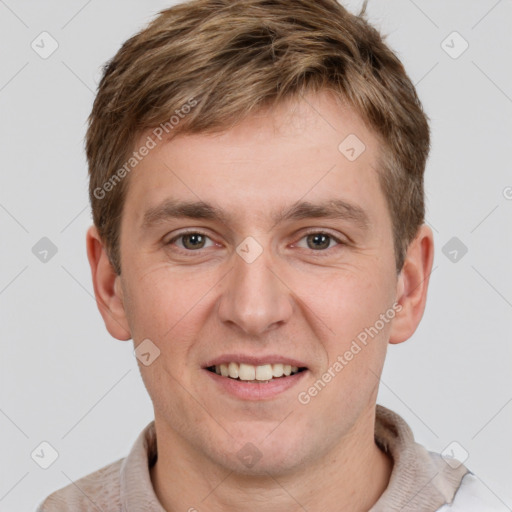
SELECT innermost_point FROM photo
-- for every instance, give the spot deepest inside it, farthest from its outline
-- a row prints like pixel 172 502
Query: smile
pixel 255 374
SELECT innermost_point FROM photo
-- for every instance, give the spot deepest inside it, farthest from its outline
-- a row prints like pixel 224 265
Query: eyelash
pixel 319 252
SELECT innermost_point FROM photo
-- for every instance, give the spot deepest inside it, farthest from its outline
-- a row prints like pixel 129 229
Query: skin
pixel 291 301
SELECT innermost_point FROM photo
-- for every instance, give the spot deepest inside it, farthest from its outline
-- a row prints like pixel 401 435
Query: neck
pixel 351 478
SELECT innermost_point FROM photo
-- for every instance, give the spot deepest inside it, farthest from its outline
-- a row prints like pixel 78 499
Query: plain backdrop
pixel 65 381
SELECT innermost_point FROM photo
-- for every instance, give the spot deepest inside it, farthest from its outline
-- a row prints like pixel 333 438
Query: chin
pixel 257 456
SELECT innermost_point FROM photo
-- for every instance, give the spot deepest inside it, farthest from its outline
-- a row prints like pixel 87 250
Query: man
pixel 256 180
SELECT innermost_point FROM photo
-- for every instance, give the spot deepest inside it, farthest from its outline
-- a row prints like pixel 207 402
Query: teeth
pixel 233 370
pixel 264 372
pixel 249 372
pixel 246 371
pixel 277 370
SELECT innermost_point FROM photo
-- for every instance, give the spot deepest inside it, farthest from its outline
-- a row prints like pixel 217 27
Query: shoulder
pixel 474 496
pixel 88 494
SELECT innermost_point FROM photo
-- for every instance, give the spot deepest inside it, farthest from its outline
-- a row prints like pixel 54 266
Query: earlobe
pixel 412 285
pixel 107 289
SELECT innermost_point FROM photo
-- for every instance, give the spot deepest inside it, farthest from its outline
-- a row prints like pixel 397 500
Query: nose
pixel 255 299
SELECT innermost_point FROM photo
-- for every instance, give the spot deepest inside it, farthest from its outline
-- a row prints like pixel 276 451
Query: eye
pixel 193 241
pixel 320 241
pixel 190 241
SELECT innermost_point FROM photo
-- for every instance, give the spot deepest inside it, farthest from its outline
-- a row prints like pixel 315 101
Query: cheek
pixel 165 309
pixel 358 310
pixel 355 344
pixel 349 302
pixel 167 306
pixel 154 306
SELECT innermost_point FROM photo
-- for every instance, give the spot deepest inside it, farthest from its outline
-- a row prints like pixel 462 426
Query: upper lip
pixel 254 360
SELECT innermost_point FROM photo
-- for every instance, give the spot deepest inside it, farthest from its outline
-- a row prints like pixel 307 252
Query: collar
pixel 421 481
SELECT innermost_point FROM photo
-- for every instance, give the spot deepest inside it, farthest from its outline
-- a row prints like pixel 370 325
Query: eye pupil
pixel 196 240
pixel 322 238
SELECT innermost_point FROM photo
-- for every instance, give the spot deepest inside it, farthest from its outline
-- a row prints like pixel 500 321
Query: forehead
pixel 311 149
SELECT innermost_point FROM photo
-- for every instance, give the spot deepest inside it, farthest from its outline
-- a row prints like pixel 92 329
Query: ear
pixel 412 285
pixel 107 287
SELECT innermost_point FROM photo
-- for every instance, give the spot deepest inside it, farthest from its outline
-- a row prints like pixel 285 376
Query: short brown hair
pixel 232 57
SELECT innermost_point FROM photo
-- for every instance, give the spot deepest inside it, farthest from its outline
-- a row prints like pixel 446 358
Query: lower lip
pixel 254 390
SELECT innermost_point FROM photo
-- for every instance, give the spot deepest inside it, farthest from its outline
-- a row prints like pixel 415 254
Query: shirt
pixel 421 481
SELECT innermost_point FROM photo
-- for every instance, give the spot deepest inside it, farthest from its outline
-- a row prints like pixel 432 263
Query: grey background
pixel 65 381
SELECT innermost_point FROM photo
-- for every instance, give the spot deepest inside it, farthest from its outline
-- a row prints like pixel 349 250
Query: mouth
pixel 255 378
pixel 255 374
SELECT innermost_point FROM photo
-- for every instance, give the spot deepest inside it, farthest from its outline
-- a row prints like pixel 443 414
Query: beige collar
pixel 421 481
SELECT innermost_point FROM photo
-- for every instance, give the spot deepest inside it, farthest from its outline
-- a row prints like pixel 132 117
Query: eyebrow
pixel 333 209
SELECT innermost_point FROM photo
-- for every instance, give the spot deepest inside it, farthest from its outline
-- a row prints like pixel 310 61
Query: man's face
pixel 251 288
